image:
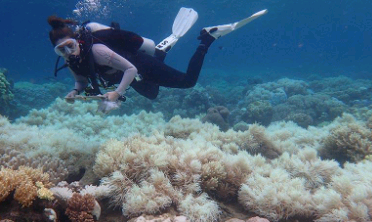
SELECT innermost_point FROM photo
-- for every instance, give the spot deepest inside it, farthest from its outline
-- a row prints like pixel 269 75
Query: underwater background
pixel 278 127
pixel 296 38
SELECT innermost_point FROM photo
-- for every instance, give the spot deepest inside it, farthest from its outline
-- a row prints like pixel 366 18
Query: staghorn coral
pixel 27 184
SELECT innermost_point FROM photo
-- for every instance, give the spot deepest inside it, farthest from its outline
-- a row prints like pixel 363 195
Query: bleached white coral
pixel 150 196
pixel 135 156
pixel 62 193
pixel 306 164
pixel 81 118
pixel 348 196
pixel 118 185
pixel 99 192
pixel 200 208
pixel 277 196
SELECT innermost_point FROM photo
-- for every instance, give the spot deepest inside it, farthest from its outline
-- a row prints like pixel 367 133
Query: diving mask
pixel 67 47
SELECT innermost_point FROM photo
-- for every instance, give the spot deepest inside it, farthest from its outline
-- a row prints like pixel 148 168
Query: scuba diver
pixel 102 56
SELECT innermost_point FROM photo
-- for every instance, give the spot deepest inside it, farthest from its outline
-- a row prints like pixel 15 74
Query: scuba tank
pixel 147 45
pixel 118 40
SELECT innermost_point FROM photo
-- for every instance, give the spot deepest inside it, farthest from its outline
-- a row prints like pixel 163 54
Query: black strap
pixel 92 75
pixel 115 25
pixel 56 69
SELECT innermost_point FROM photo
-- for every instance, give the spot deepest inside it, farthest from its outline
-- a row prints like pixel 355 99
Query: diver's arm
pixel 105 56
pixel 81 82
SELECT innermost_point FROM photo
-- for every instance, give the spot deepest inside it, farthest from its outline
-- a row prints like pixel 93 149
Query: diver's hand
pixel 70 96
pixel 112 96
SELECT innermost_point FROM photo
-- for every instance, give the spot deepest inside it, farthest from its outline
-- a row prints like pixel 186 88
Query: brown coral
pixel 54 166
pixel 218 115
pixel 7 183
pixel 80 207
pixel 351 142
pixel 23 183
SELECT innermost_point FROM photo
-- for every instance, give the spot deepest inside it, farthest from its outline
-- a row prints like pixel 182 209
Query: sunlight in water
pixel 85 9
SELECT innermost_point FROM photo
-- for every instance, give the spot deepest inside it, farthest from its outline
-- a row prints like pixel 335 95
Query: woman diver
pixel 97 53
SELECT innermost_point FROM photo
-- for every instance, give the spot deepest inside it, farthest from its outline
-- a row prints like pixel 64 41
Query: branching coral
pixel 306 164
pixel 55 167
pixel 200 208
pixel 348 198
pixel 149 174
pixel 151 196
pixel 255 140
pixel 350 141
pixel 81 118
pixel 51 148
pixel 269 197
pixel 27 184
pixel 80 207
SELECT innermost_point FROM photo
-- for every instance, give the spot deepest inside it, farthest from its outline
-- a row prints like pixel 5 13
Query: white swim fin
pixel 184 20
pixel 221 30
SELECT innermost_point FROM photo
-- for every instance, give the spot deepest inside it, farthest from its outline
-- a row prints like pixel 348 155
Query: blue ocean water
pixel 295 38
pixel 317 154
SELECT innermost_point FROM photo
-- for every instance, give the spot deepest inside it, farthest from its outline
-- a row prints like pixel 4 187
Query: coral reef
pixel 27 184
pixel 347 90
pixel 179 166
pixel 286 99
pixel 84 121
pixel 199 162
pixel 313 109
pixel 28 96
pixel 79 203
pixel 54 147
pixel 79 208
pixel 309 165
pixel 218 115
pixel 258 112
pixel 53 166
pixel 351 141
pixel 306 103
pixel 6 94
pixel 163 217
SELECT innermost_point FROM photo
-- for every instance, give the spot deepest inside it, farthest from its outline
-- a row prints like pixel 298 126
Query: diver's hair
pixel 60 28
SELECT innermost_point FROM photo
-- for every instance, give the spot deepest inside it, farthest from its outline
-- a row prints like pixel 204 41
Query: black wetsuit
pixel 155 73
pixel 152 69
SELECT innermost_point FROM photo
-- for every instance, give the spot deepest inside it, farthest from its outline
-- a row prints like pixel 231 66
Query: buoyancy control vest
pixel 120 41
